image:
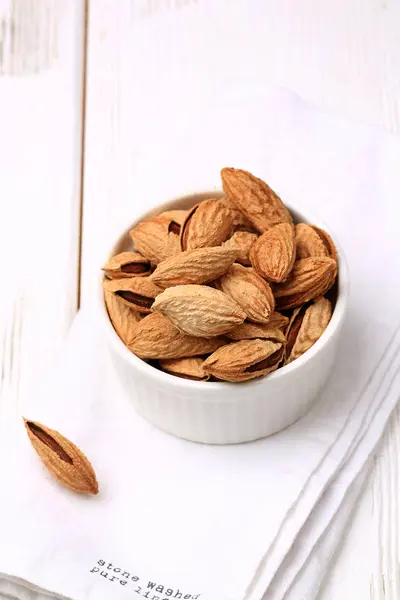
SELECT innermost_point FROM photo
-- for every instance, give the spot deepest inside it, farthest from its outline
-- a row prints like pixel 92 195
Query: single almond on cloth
pixel 313 241
pixel 274 253
pixel 121 316
pixel 243 241
pixel 306 326
pixel 62 458
pixel 156 337
pixel 254 198
pixel 244 360
pixel 137 293
pixel 199 310
pixel 155 239
pixel 309 278
pixel 207 224
pixel 194 266
pixel 127 264
pixel 250 291
pixel 253 331
pixel 187 368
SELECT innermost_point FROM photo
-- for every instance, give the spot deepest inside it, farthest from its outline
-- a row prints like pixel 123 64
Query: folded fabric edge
pixel 309 581
pixel 268 569
pixel 354 462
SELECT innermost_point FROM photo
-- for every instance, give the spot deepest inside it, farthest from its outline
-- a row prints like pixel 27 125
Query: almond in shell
pixel 156 239
pixel 328 241
pixel 253 331
pixel 127 264
pixel 255 199
pixel 63 459
pixel 194 266
pixel 309 278
pixel 243 241
pixel 306 326
pixel 240 221
pixel 250 291
pixel 274 253
pixel 207 224
pixel 199 310
pixel 137 293
pixel 156 337
pixel 187 368
pixel 244 360
pixel 175 219
pixel 278 320
pixel 121 316
pixel 313 241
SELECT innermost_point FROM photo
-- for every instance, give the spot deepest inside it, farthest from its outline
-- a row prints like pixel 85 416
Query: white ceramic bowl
pixel 226 413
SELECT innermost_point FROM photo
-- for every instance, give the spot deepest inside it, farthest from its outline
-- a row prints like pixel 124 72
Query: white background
pixel 84 86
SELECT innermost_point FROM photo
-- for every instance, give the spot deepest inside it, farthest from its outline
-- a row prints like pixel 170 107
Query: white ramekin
pixel 226 413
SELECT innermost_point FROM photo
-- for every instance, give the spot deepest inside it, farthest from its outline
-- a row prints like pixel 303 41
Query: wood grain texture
pixel 343 55
pixel 41 53
pixel 29 36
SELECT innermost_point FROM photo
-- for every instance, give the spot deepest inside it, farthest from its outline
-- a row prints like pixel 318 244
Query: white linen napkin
pixel 234 522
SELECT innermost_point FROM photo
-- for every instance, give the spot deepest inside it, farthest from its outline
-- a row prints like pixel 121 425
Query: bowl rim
pixel 210 387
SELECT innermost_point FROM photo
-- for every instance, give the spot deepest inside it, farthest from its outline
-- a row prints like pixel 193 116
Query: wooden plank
pixel 41 54
pixel 149 63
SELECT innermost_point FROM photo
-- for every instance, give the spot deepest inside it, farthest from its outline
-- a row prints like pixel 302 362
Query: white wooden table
pixel 73 74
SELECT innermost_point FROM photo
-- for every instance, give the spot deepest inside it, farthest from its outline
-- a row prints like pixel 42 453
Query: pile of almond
pixel 227 291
